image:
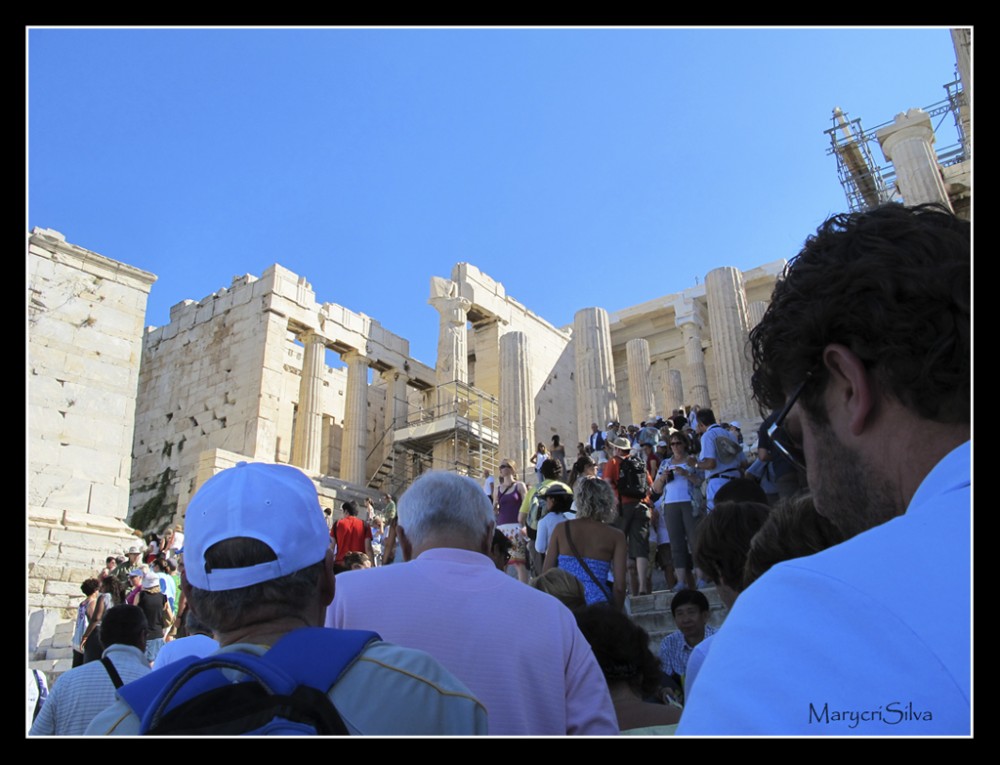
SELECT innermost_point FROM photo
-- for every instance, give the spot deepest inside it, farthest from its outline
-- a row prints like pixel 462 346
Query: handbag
pixel 697 499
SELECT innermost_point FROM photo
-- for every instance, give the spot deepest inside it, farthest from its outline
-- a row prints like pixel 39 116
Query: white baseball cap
pixel 274 504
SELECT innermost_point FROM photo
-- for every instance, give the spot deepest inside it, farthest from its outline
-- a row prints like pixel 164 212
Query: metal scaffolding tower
pixel 863 180
pixel 866 183
pixel 464 419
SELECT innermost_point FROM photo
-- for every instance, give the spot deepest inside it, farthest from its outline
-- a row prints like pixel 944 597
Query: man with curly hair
pixel 865 351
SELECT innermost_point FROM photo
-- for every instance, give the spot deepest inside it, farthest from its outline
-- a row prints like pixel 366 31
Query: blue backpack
pixel 283 692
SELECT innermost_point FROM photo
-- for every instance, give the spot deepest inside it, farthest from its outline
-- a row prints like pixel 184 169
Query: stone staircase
pixel 652 612
pixel 54 654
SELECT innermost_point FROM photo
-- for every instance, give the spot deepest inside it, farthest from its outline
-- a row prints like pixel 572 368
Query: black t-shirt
pixel 151 604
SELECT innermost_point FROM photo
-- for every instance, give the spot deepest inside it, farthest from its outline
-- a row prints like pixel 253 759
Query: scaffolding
pixel 458 430
pixel 867 184
pixel 864 182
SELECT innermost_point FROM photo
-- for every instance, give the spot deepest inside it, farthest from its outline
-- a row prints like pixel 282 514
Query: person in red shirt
pixel 350 534
pixel 632 520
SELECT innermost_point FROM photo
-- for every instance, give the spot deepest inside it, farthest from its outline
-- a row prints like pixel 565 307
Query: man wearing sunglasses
pixel 864 351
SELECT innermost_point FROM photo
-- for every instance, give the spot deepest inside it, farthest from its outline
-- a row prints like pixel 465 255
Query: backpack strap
pixel 311 656
pixel 112 672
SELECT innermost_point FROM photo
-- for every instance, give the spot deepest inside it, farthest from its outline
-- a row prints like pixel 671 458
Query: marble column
pixel 400 400
pixel 517 409
pixel 639 385
pixel 727 319
pixel 755 312
pixel 486 340
pixel 355 444
pixel 908 144
pixel 453 354
pixel 691 322
pixel 430 408
pixel 596 400
pixel 674 392
pixel 307 443
pixel 961 39
pixel 395 411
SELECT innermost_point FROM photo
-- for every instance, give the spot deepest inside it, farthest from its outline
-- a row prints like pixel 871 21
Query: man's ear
pixel 327 581
pixel 186 591
pixel 404 544
pixel 488 539
pixel 850 392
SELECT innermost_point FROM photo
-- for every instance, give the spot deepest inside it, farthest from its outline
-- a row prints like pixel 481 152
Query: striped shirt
pixel 81 693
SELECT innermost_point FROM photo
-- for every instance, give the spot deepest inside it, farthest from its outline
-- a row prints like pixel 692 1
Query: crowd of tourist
pixel 488 607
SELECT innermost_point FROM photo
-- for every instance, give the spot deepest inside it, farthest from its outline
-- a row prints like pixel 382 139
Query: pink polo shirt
pixel 517 649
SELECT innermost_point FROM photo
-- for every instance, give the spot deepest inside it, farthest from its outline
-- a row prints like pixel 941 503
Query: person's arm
pixel 95 620
pixel 168 612
pixel 542 537
pixel 45 723
pixel 707 461
pixel 618 562
pixel 694 476
pixel 522 513
pixel 552 553
pixel 389 551
pixel 707 465
pixel 660 482
pixel 610 474
pixel 527 496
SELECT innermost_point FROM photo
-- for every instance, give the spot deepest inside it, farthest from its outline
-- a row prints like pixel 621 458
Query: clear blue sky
pixel 577 166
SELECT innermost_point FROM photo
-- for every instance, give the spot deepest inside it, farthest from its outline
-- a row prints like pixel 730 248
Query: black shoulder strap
pixel 112 672
pixel 603 587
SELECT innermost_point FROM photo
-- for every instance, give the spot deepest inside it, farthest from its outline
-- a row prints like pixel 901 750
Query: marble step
pixel 652 613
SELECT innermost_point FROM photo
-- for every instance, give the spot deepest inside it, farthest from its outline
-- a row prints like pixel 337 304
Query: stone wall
pixel 85 319
pixel 225 374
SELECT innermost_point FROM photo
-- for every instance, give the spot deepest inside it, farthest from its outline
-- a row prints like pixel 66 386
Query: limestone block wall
pixel 211 378
pixel 225 374
pixel 85 319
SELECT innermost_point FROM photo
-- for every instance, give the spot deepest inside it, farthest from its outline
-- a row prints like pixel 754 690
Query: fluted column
pixel 400 401
pixel 674 392
pixel 962 41
pixel 727 318
pixel 453 354
pixel 517 408
pixel 596 400
pixel 696 378
pixel 639 386
pixel 307 442
pixel 486 340
pixel 908 144
pixel 394 417
pixel 755 312
pixel 355 444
